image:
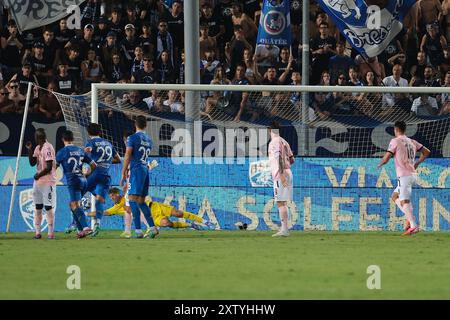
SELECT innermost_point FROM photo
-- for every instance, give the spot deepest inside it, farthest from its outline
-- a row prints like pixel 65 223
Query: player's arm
pixel 281 167
pixel 126 163
pixel 107 212
pixel 276 151
pixel 424 153
pixel 31 158
pixel 387 156
pixel 88 148
pixel 47 170
pixel 117 209
pixel 91 164
pixel 116 159
pixel 58 158
pixel 389 153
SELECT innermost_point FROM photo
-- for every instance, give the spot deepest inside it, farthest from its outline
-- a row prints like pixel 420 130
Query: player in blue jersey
pixel 71 158
pixel 139 146
pixel 102 152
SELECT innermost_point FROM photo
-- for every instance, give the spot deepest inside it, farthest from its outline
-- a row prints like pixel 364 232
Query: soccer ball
pixel 86 169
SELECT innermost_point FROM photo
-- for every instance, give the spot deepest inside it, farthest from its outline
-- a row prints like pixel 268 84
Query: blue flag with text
pixel 368 29
pixel 275 23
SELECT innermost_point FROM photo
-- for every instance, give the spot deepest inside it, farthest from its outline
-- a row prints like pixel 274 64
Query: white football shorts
pixel 44 194
pixel 282 193
pixel 404 187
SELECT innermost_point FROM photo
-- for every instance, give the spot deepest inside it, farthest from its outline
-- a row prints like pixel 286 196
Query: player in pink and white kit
pixel 404 151
pixel 44 186
pixel 281 158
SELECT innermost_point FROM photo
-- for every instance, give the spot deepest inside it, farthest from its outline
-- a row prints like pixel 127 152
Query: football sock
pixel 179 224
pixel 193 217
pixel 81 217
pixel 144 221
pixel 284 218
pixel 409 214
pixel 127 220
pixel 50 221
pixel 76 222
pixel 38 221
pixel 93 222
pixel 99 208
pixel 147 213
pixel 136 214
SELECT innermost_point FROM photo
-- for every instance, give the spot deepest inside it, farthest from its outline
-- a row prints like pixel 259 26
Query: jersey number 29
pixel 105 151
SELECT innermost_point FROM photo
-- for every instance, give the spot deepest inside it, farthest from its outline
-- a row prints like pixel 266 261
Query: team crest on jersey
pixel 295 5
pixel 274 22
pixel 26 205
pixel 259 174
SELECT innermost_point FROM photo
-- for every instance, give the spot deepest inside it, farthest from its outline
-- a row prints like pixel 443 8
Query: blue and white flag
pixel 33 14
pixel 369 31
pixel 275 23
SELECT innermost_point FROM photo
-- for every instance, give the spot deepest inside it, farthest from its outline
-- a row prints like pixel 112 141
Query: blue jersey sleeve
pixel 89 144
pixel 130 142
pixel 87 159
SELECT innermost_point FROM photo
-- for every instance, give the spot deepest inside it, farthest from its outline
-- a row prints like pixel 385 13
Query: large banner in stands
pixel 10 126
pixel 326 141
pixel 33 14
pixel 368 29
pixel 275 23
pixel 329 194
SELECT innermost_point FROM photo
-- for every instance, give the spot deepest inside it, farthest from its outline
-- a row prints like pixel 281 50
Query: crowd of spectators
pixel 142 41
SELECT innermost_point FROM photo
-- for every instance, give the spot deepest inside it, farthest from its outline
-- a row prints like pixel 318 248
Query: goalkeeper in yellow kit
pixel 160 214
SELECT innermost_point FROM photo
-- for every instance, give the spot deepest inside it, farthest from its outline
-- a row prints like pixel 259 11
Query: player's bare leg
pixel 127 221
pixel 38 221
pixel 283 212
pixel 99 208
pixel 396 200
pixel 50 212
pixel 407 206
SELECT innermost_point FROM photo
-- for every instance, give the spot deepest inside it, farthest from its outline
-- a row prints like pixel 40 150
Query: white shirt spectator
pixel 419 108
pixel 174 106
pixel 389 98
pixel 150 102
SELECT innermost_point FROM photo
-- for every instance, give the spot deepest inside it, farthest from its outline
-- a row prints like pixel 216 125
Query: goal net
pixel 211 145
pixel 319 121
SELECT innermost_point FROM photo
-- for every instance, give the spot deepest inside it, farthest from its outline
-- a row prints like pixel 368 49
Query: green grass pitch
pixel 227 265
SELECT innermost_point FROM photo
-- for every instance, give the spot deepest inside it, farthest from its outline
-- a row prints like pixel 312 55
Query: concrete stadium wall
pixel 329 194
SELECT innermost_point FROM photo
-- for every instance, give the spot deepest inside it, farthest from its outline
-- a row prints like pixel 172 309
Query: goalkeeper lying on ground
pixel 160 214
